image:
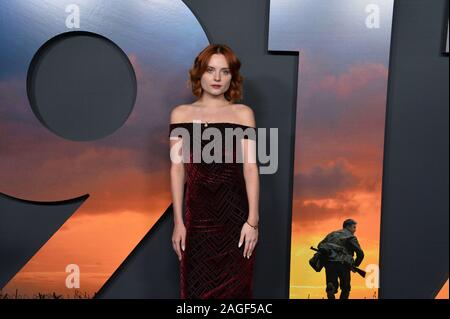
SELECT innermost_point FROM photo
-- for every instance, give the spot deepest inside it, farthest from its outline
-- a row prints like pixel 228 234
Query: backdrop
pixel 90 193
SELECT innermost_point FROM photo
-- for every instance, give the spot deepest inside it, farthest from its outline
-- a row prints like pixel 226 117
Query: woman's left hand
pixel 250 236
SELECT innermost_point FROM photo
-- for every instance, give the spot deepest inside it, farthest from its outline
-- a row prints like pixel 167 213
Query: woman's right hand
pixel 179 238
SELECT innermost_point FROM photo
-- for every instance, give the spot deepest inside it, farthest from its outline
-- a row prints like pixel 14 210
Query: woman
pixel 215 242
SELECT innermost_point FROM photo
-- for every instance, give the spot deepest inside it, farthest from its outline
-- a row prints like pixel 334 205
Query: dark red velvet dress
pixel 216 207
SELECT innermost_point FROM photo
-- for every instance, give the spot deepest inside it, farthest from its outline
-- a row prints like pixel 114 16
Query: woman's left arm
pixel 249 231
pixel 251 176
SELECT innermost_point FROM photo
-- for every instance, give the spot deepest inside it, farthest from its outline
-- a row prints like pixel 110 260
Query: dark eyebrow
pixel 209 66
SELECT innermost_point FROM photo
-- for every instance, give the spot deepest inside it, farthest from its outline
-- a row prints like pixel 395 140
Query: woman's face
pixel 217 77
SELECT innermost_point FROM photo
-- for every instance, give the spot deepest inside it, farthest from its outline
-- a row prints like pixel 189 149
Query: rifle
pixel 360 272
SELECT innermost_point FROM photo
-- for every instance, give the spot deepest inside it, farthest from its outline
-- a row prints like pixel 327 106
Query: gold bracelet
pixel 255 227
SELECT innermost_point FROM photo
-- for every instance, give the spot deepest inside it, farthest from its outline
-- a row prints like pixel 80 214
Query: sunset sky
pixel 338 172
pixel 342 86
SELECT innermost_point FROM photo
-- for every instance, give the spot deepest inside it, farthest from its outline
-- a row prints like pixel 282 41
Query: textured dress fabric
pixel 216 207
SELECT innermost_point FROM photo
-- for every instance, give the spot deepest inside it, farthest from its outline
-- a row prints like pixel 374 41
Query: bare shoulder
pixel 245 114
pixel 179 112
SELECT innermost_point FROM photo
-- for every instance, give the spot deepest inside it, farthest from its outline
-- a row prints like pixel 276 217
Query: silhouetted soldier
pixel 340 246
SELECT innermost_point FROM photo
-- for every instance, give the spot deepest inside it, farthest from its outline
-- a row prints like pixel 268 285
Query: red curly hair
pixel 234 92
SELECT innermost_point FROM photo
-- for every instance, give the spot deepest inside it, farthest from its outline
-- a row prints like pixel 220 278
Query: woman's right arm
pixel 177 179
pixel 177 186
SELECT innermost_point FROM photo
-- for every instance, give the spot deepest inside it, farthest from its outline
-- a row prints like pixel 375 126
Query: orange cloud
pixel 357 77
